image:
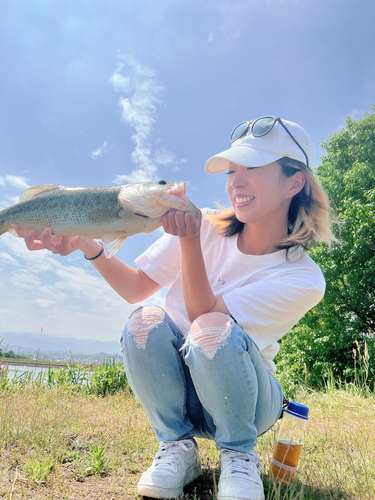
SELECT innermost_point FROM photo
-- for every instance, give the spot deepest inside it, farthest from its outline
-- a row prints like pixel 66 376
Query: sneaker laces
pixel 243 463
pixel 170 452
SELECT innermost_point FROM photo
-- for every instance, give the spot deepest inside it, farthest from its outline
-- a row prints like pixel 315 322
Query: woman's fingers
pixel 50 245
pixel 32 240
pixel 169 222
pixel 182 224
pixel 62 245
pixel 192 225
pixel 67 245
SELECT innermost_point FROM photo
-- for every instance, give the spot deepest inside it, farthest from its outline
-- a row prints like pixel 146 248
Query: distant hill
pixel 32 344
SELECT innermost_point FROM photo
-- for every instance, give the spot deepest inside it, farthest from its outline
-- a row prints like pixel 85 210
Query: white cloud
pixel 210 38
pixel 8 201
pixel 14 181
pixel 98 153
pixel 25 279
pixel 45 303
pixel 139 110
pixel 139 175
pixel 165 158
pixel 6 258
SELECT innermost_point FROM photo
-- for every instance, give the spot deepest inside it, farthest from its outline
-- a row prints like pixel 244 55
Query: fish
pixel 110 214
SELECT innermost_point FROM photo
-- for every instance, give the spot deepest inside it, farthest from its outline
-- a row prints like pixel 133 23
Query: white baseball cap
pixel 255 151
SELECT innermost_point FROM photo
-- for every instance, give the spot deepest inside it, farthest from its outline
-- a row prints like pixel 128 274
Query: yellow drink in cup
pixel 289 443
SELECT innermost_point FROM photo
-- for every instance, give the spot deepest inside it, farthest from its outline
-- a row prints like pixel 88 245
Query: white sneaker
pixel 240 476
pixel 175 465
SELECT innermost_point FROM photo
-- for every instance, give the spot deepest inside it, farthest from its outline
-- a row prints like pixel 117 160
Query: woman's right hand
pixel 61 245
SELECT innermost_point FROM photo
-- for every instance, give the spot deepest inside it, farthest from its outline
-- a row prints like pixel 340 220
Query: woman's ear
pixel 296 183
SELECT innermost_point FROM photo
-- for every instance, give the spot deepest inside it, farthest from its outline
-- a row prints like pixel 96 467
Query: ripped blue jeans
pixel 189 387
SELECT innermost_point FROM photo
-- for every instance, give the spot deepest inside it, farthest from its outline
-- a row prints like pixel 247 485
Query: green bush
pixel 331 340
pixel 108 378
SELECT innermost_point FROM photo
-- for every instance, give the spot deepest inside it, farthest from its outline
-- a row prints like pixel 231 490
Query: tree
pixel 9 354
pixel 335 335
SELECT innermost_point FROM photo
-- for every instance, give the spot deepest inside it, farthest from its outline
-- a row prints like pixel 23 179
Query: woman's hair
pixel 309 216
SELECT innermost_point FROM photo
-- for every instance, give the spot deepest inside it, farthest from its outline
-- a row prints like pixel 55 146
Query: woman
pixel 238 281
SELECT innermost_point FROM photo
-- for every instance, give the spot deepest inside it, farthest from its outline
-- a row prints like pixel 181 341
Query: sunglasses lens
pixel 262 126
pixel 239 131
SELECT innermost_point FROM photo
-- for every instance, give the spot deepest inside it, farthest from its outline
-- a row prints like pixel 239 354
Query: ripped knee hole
pixel 209 337
pixel 143 321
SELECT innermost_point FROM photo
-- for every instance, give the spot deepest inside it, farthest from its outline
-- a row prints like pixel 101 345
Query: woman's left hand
pixel 182 224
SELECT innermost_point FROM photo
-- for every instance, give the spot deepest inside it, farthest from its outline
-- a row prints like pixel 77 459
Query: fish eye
pixel 162 182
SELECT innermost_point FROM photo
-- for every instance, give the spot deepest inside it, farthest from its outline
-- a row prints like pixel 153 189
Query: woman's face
pixel 261 194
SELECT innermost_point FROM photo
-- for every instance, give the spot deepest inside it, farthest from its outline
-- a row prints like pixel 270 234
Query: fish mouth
pixel 177 188
pixel 240 200
pixel 141 215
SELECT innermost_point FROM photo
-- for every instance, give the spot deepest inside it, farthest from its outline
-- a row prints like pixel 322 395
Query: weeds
pixel 98 464
pixel 38 470
pixel 108 378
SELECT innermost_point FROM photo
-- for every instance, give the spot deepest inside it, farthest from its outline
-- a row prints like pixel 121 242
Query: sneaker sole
pixel 231 497
pixel 146 490
pixel 154 492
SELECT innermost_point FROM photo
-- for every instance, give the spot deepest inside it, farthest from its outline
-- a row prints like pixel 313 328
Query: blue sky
pixel 97 93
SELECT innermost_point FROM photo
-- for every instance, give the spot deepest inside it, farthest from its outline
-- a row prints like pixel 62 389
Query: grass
pixel 60 438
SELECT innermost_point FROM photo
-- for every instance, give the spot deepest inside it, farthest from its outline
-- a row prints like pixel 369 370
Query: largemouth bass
pixel 109 213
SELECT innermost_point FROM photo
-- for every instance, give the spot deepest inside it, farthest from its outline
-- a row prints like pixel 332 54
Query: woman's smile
pixel 240 200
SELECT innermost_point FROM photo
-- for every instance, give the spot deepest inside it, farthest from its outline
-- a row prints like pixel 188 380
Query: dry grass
pixel 47 440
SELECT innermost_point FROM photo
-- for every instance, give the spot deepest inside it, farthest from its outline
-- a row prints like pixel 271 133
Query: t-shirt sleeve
pixel 161 261
pixel 268 309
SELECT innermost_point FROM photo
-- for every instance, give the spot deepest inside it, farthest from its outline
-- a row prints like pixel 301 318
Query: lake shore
pixel 30 363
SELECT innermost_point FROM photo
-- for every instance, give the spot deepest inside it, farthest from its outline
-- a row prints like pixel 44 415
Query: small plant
pixel 4 377
pixel 98 464
pixel 38 470
pixel 361 368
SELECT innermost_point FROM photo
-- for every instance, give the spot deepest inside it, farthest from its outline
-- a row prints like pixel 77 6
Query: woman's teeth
pixel 243 199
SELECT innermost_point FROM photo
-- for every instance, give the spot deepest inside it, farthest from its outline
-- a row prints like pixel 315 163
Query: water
pixel 20 369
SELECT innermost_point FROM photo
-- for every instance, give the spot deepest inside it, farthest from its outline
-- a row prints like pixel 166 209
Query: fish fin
pixel 30 193
pixel 13 232
pixel 112 243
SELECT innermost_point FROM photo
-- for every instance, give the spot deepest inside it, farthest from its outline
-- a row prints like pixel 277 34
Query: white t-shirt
pixel 266 294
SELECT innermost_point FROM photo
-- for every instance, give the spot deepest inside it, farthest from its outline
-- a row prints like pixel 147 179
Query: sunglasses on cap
pixel 260 127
